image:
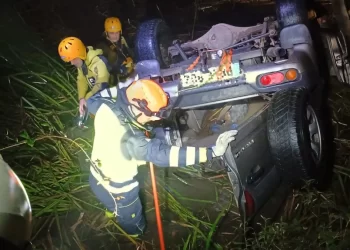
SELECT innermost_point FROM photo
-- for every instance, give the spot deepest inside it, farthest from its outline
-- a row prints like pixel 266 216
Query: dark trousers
pixel 126 206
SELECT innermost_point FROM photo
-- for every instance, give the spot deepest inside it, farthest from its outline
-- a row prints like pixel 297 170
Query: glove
pixel 222 142
pixel 128 64
pixel 82 105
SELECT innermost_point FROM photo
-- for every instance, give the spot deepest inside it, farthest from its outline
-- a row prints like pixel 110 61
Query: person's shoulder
pixel 102 42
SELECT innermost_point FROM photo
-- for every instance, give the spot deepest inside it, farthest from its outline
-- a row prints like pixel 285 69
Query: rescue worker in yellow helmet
pixel 93 73
pixel 119 147
pixel 116 49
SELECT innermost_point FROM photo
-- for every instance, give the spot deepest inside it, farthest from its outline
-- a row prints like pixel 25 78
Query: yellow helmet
pixel 71 48
pixel 112 24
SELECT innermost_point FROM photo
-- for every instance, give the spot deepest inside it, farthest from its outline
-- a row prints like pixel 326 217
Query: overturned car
pixel 263 80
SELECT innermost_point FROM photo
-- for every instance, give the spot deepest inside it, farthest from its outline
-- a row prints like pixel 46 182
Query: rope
pixel 157 209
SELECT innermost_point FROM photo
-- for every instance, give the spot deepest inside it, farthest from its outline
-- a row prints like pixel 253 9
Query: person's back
pixel 93 75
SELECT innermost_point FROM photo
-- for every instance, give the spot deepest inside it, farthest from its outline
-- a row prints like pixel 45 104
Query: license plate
pixel 198 78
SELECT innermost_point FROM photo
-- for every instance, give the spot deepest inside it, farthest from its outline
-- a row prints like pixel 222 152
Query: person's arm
pixel 101 76
pixel 82 85
pixel 163 155
pixel 137 146
pixel 102 45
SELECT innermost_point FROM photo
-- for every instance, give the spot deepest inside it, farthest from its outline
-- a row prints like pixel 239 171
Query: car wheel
pixel 153 37
pixel 296 137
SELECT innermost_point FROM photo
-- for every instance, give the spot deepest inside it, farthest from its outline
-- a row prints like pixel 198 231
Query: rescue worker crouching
pixel 119 147
pixel 116 50
pixel 93 73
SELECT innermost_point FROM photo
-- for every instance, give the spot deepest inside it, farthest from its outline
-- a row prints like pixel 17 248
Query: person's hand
pixel 223 141
pixel 128 65
pixel 128 62
pixel 82 105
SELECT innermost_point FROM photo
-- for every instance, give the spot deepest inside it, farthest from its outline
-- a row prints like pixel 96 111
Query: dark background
pixel 54 19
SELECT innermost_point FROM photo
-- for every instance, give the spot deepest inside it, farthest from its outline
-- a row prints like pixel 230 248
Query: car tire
pixel 296 137
pixel 153 37
pixel 290 13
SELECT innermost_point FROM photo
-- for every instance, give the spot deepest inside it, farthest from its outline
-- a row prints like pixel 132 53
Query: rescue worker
pixel 116 50
pixel 120 146
pixel 93 73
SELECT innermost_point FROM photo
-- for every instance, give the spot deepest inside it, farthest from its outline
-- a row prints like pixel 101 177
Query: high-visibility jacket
pixel 93 75
pixel 119 147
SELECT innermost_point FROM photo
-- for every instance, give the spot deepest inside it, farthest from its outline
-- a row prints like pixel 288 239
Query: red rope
pixel 195 62
pixel 156 205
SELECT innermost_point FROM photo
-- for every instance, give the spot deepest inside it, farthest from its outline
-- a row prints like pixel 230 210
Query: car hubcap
pixel 315 134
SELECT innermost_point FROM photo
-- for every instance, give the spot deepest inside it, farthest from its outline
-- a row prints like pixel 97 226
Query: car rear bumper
pixel 247 84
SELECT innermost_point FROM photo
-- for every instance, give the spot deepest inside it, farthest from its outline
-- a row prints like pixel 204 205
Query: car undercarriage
pixel 262 80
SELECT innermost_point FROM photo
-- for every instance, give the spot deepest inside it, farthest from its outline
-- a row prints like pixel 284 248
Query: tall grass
pixel 42 154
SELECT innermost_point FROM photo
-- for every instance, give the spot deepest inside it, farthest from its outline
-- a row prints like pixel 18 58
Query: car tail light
pixel 249 203
pixel 278 77
pixel 271 79
pixel 291 75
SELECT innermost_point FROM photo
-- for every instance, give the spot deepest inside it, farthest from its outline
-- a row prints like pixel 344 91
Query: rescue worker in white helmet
pixel 93 69
pixel 116 50
pixel 119 147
